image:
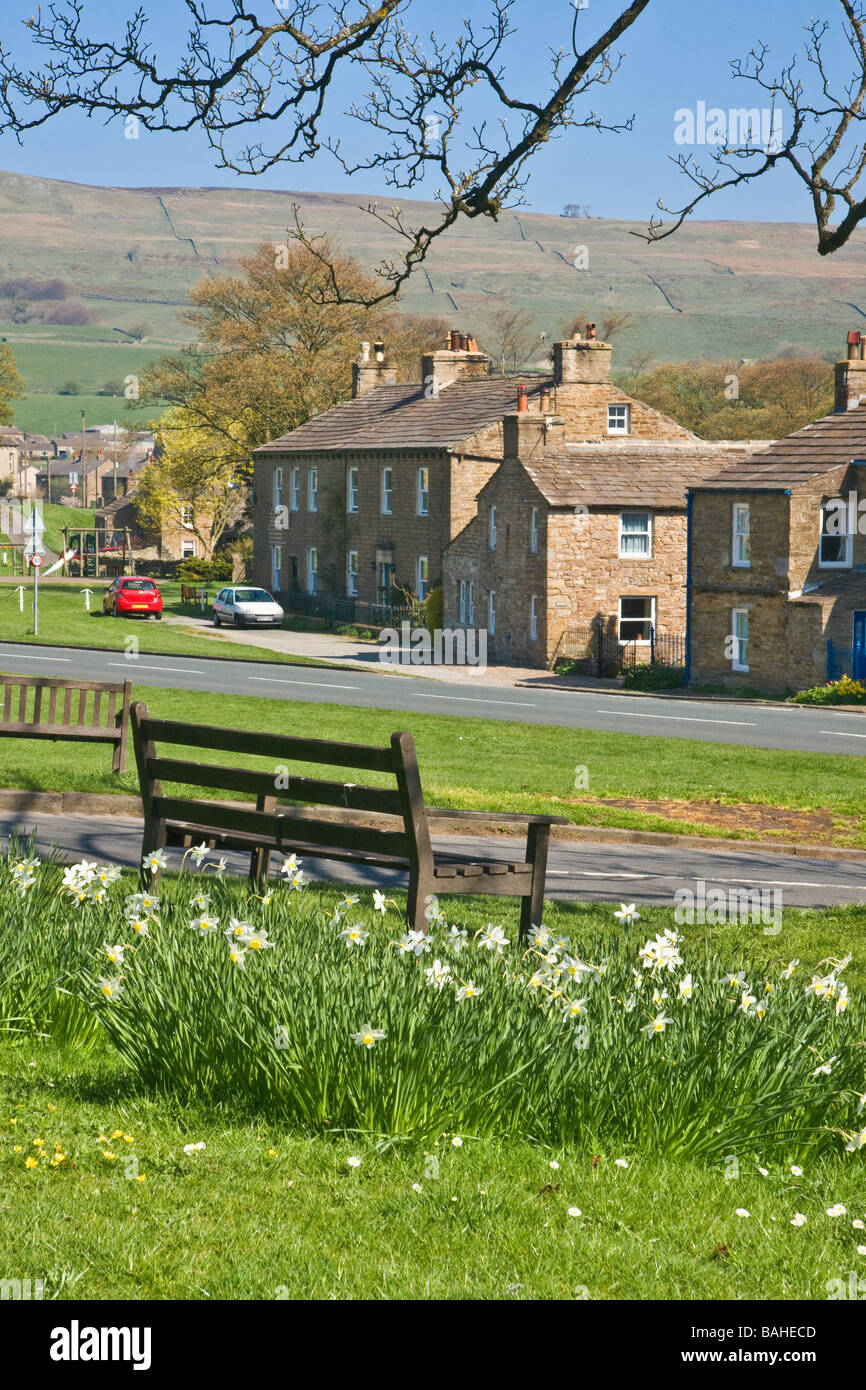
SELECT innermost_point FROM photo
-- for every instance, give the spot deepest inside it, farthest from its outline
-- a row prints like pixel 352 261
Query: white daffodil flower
pixel 574 1008
pixel 790 968
pixel 438 975
pixel 114 953
pixel 469 991
pixel 154 861
pixel 111 988
pixel 658 1024
pixel 414 943
pixel 368 1037
pixel 494 939
pixel 354 936
pixel 204 924
pixel 457 939
pixel 627 914
pixel 686 987
pixel 258 940
pixel 379 902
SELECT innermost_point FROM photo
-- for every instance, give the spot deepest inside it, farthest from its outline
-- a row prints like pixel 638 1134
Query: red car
pixel 128 596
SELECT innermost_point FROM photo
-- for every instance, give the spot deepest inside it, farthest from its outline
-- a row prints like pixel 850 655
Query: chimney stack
pixel 851 374
pixel 460 361
pixel 582 361
pixel 527 433
pixel 367 374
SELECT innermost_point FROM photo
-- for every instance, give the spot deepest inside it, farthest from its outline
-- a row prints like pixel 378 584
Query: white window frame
pixel 533 531
pixel 646 532
pixel 423 497
pixel 471 603
pixel 741 536
pixel 491 612
pixel 737 664
pixel 312 489
pixel 352 573
pixel 278 487
pixel 186 515
pixel 187 549
pixel 845 562
pixel 619 411
pixel 462 602
pixel 312 569
pixel 620 620
pixel 422 576
pixel 352 486
pixel 295 490
pixel 387 491
pixel 276 567
pixel 533 618
pixel 491 529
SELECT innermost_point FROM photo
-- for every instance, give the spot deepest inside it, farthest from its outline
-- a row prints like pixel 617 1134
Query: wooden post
pixel 537 841
pixel 154 827
pixel 421 876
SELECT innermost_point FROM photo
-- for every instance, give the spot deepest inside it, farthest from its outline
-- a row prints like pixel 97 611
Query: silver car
pixel 246 607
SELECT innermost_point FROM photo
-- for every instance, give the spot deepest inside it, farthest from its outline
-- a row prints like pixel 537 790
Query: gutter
pixel 688 672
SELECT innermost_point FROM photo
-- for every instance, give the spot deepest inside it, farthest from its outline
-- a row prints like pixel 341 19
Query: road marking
pixel 840 733
pixel 311 685
pixel 143 666
pixel 678 718
pixel 469 700
pixel 11 656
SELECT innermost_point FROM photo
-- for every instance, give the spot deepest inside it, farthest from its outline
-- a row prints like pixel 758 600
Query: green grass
pixel 484 764
pixel 47 412
pixel 268 1211
pixel 54 517
pixel 64 620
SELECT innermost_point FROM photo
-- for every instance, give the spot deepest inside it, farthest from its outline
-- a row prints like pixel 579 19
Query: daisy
pixel 798 1219
pixel 798 1172
pixel 574 1211
pixel 354 1161
pixel 836 1210
pixel 741 1211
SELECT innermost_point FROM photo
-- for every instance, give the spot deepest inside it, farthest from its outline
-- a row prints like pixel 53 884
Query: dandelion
pixel 109 1156
pixel 438 975
pixel 621 1162
pixel 798 1172
pixel 741 1211
pixel 836 1210
pixel 272 1153
pixel 627 914
pixel 111 988
pixel 154 861
pixel 39 1143
pixel 457 1142
pixel 354 936
pixel 469 991
pixel 193 1148
pixel 354 1161
pixel 368 1037
pixel 798 1219
pixel 494 939
pixel 18 1149
pixel 575 1211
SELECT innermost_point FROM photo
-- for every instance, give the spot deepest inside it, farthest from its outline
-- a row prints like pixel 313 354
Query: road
pixel 791 727
pixel 577 872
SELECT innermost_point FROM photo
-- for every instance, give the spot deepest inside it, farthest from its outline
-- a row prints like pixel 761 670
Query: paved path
pixel 753 725
pixel 577 872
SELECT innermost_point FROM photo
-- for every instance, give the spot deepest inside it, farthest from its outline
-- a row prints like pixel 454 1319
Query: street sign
pixel 73 488
pixel 36 561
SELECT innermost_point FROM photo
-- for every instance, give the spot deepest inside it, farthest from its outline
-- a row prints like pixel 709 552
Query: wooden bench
pixel 89 711
pixel 264 826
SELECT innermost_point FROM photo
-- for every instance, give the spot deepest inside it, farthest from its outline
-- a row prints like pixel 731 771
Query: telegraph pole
pixel 83 460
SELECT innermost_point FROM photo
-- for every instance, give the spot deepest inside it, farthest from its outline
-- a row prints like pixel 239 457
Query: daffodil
pixel 413 943
pixel 657 1025
pixel 380 902
pixel 438 975
pixel 575 1008
pixel 686 987
pixel 111 988
pixel 204 924
pixel 790 968
pixel 627 914
pixel 457 939
pixel 469 991
pixel 154 861
pixel 114 953
pixel 354 936
pixel 367 1036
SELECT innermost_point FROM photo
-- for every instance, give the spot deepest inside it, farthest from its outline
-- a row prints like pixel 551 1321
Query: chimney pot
pixel 455 340
pixel 365 352
pixel 545 400
pixel 590 332
pixel 522 399
pixel 379 350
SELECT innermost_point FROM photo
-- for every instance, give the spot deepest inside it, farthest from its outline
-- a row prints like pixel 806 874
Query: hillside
pixel 716 289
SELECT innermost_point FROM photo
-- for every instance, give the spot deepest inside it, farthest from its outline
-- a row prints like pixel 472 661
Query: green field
pixel 267 1210
pixel 65 620
pixel 484 764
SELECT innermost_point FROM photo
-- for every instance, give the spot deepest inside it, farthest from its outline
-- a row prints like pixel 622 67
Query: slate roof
pixel 614 475
pixel 818 448
pixel 401 417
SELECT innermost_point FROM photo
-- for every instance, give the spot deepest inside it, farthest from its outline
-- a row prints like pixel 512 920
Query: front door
pixel 858 647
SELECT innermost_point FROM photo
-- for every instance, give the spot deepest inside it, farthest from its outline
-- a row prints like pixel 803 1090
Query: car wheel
pixel 216 619
pixel 158 617
pixel 239 622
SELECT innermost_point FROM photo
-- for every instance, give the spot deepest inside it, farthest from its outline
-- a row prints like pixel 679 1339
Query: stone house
pixel 777 583
pixel 369 494
pixel 570 538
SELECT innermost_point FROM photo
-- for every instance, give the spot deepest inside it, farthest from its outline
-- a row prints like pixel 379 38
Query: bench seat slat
pixel 60 731
pixel 278 746
pixel 181 833
pixel 309 789
pixel 278 829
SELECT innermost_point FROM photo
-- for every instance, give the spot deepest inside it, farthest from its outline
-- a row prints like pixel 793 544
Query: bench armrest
pixel 441 813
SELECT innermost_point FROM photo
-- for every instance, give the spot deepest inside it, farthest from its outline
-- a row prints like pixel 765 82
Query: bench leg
pixel 153 838
pixel 531 908
pixel 421 887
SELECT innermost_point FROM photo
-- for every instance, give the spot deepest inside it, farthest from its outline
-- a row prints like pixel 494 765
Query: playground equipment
pixel 95 551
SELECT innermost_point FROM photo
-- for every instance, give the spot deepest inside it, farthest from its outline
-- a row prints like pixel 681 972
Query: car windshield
pixel 253 596
pixel 140 585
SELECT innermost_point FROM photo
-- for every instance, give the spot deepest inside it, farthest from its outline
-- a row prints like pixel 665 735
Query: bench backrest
pixel 37 705
pixel 403 798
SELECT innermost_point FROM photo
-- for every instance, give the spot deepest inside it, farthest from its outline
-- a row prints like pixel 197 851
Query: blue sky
pixel 676 56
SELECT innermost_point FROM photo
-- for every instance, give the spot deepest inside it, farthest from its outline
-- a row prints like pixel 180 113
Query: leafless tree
pixel 824 144
pixel 512 339
pixel 262 93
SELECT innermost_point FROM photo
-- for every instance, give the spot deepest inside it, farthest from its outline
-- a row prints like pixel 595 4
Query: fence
pixel 346 610
pixel 845 661
pixel 599 651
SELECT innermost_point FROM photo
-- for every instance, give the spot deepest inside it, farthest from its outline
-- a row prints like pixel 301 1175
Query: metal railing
pixel 600 651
